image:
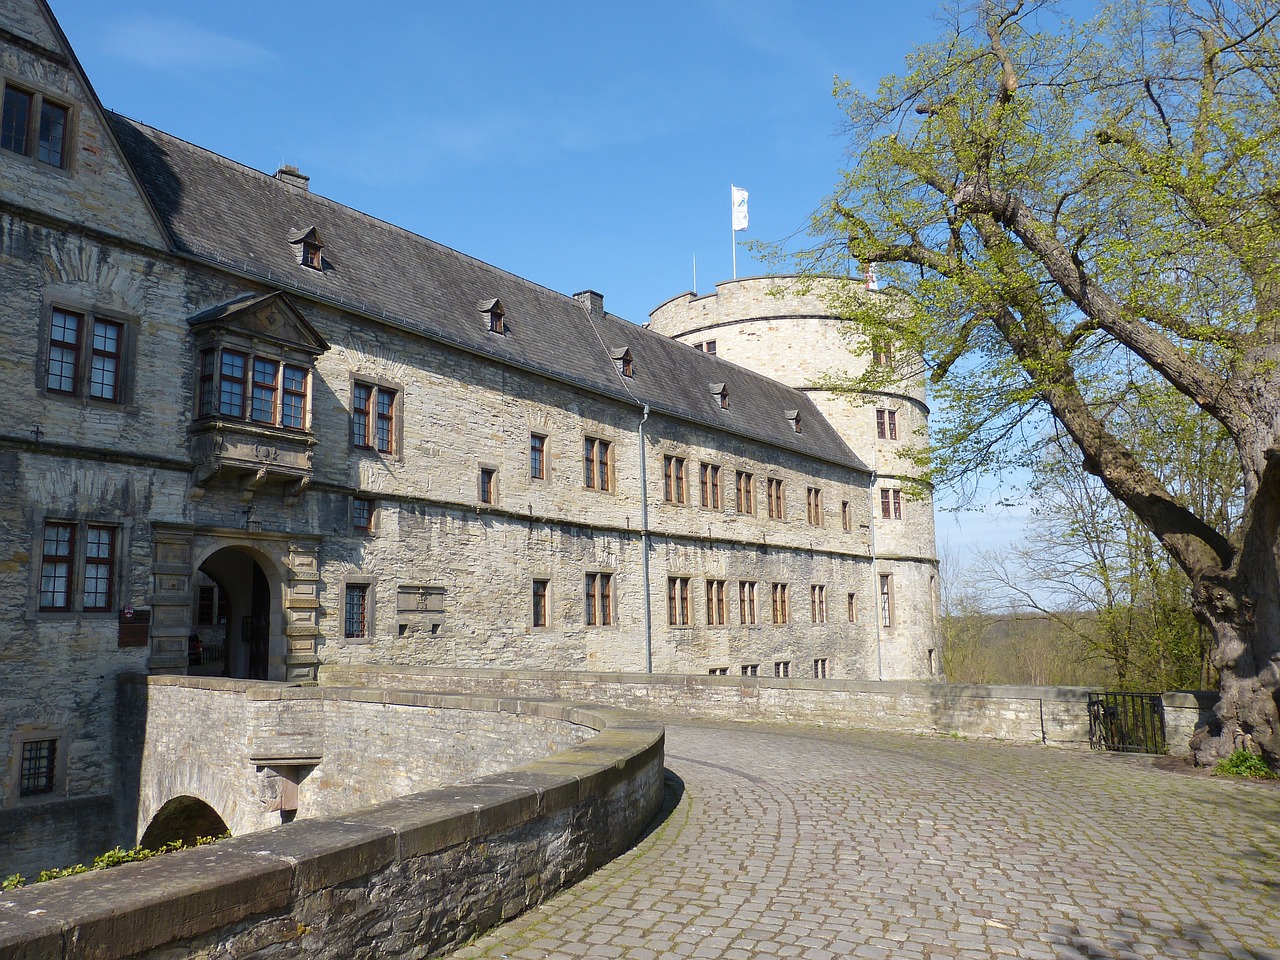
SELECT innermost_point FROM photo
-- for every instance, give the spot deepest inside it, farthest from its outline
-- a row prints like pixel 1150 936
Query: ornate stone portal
pixel 291 565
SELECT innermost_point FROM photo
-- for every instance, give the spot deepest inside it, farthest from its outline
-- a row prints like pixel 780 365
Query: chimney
pixel 594 302
pixel 291 175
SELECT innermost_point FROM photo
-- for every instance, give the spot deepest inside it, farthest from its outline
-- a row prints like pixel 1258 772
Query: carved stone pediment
pixel 271 317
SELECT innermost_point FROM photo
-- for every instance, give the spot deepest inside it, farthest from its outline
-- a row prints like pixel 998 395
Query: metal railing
pixel 1127 722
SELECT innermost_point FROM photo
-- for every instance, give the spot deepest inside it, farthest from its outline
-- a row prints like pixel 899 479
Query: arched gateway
pixel 234 603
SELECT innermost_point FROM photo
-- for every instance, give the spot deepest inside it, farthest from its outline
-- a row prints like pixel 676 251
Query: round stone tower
pixel 784 328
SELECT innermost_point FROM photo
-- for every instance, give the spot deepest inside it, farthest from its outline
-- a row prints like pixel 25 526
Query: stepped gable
pixel 231 215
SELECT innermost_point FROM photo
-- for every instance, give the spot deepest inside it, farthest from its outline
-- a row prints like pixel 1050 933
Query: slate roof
pixel 231 215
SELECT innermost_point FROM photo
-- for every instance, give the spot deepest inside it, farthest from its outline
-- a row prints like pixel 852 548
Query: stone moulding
pixel 417 875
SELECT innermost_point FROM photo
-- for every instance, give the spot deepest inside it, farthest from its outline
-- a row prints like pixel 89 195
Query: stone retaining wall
pixel 1057 716
pixel 412 876
pixel 352 747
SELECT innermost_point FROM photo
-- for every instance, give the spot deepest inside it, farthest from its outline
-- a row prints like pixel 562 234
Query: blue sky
pixel 577 144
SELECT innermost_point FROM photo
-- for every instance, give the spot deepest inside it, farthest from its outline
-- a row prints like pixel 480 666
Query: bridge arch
pixel 183 818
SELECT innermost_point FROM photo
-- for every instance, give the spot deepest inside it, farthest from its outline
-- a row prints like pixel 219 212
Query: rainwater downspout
pixel 644 548
pixel 875 578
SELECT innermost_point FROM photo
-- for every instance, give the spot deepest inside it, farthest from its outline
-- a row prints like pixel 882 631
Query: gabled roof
pixel 236 217
pixel 270 316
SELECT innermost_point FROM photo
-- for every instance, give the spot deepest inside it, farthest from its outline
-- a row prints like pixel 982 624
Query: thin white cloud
pixel 168 43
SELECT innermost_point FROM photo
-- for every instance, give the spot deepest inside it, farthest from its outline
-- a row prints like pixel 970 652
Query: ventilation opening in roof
pixel 493 315
pixel 623 361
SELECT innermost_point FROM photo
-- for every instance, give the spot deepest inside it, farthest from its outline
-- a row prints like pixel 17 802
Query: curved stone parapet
pixel 416 875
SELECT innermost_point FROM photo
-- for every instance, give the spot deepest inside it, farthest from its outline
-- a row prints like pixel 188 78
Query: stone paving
pixel 792 842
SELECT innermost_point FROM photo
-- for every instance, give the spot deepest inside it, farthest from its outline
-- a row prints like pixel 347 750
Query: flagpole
pixel 738 209
pixel 733 229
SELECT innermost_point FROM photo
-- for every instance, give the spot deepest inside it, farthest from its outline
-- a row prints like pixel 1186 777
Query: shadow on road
pixel 1133 936
pixel 672 794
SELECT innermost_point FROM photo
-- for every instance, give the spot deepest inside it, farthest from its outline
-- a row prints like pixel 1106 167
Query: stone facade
pixel 244 414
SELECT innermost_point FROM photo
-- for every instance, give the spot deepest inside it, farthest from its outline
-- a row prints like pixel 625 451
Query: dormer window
pixel 793 417
pixel 623 361
pixel 309 247
pixel 493 314
pixel 721 393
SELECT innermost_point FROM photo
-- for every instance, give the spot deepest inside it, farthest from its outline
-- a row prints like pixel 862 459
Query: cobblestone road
pixel 789 842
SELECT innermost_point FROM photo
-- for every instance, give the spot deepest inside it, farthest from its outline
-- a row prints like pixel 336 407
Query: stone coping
pixel 333 673
pixel 136 907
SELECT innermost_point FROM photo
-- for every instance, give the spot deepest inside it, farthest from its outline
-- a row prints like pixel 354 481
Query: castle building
pixel 252 430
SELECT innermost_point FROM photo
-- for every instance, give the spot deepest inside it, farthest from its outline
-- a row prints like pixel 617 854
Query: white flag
pixel 739 197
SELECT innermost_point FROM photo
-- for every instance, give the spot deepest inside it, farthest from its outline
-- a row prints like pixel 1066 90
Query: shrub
pixel 1242 763
pixel 105 861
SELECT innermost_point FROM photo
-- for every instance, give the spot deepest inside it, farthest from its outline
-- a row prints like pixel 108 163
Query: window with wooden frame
pixel 488 485
pixel 32 125
pixel 596 464
pixel 818 603
pixel 86 355
pixel 267 391
pixel 782 668
pixel 853 607
pixel 78 566
pixel 891 504
pixel 882 353
pixel 813 502
pixel 718 672
pixel 747 602
pixel 751 669
pixel 781 606
pixel 363 513
pixel 537 456
pixel 493 314
pixel 886 600
pixel 678 601
pixel 820 666
pixel 746 492
pixel 599 599
pixel 776 498
pixel 887 424
pixel 673 480
pixel 716 603
pixel 709 485
pixel 540 611
pixel 373 417
pixel 846 516
pixel 312 255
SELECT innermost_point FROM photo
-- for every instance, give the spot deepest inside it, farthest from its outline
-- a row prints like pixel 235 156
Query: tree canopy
pixel 1081 218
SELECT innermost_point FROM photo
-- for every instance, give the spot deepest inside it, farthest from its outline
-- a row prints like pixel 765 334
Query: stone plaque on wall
pixel 420 598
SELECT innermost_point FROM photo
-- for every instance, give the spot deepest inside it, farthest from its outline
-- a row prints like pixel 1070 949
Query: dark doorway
pixel 246 607
pixel 183 818
pixel 259 625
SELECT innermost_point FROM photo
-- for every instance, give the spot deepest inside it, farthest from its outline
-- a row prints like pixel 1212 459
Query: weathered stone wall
pixel 83 239
pixel 413 876
pixel 94 187
pixel 224 741
pixel 788 328
pixel 1057 716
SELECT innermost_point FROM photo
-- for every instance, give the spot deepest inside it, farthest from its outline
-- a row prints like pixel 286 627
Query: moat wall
pixel 415 875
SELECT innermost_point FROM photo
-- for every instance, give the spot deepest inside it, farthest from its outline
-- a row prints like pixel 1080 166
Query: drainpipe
pixel 644 548
pixel 875 571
